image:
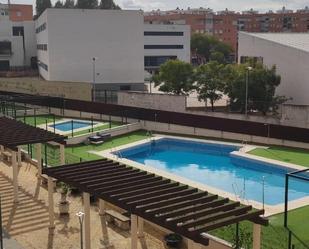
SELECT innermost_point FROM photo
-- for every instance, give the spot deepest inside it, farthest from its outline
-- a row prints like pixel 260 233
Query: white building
pixel 289 52
pixel 108 47
pixel 101 46
pixel 164 42
pixel 17 37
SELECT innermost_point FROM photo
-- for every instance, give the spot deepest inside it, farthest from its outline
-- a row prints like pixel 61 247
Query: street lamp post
pixel 93 78
pixel 80 216
pixel 247 86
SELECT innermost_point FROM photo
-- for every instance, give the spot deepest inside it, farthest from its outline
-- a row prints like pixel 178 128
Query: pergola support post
pixel 134 228
pixel 103 223
pixel 86 197
pixel 51 203
pixel 39 158
pixel 140 223
pixel 2 151
pixel 15 176
pixel 256 236
pixel 62 154
pixel 19 156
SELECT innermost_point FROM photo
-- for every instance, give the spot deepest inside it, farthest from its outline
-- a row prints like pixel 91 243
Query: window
pixel 40 28
pixel 5 48
pixel 254 59
pixel 4 65
pixel 4 13
pixel 163 46
pixel 18 31
pixel 162 33
pixel 156 61
pixel 41 47
pixel 18 13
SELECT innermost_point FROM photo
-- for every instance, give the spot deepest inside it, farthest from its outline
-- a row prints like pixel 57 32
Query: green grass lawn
pixel 289 155
pixel 80 153
pixel 274 236
pixel 81 150
pixel 39 120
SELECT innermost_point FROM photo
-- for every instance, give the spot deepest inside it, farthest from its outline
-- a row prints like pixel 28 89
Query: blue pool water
pixel 213 165
pixel 67 126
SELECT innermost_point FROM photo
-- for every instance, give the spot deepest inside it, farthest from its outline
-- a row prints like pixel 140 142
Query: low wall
pixel 116 131
pixel 164 102
pixel 290 115
pixel 35 85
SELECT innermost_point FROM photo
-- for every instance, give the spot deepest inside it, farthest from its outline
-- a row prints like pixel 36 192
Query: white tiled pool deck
pixel 242 152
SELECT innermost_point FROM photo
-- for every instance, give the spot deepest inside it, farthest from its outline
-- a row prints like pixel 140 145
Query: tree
pixel 58 4
pixel 262 84
pixel 108 4
pixel 69 4
pixel 87 4
pixel 217 56
pixel 41 5
pixel 210 82
pixel 205 45
pixel 175 77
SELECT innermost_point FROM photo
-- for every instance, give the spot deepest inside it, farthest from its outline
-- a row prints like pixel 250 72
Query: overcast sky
pixel 237 5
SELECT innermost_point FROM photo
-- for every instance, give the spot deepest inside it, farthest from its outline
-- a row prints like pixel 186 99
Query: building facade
pixel 95 46
pixel 109 48
pixel 165 42
pixel 225 24
pixel 289 53
pixel 17 37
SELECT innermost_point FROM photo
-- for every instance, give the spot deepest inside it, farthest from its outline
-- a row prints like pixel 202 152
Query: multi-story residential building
pixel 17 37
pixel 164 42
pixel 225 24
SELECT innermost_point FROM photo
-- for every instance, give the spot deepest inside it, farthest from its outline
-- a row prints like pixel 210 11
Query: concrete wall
pixel 153 101
pixel 114 37
pixel 30 40
pixel 34 85
pixel 292 64
pixel 290 115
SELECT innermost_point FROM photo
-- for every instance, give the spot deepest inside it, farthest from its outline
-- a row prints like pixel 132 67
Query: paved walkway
pixel 10 243
pixel 27 222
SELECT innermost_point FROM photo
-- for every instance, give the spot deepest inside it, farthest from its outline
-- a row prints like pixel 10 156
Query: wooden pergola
pixel 14 133
pixel 182 209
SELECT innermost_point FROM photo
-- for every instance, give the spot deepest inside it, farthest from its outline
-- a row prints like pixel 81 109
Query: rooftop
pixel 295 40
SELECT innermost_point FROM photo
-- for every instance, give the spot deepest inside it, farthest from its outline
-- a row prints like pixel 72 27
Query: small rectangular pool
pixel 213 165
pixel 67 125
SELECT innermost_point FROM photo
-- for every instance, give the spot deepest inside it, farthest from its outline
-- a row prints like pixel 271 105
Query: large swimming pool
pixel 213 165
pixel 67 125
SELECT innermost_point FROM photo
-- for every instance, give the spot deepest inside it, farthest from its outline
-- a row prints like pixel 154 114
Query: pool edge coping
pixel 269 209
